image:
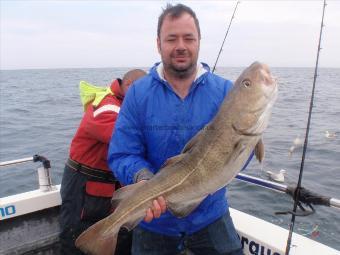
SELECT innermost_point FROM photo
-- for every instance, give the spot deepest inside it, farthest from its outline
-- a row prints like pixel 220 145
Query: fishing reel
pixel 304 199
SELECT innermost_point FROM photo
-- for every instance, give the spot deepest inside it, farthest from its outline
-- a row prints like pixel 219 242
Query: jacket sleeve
pixel 101 120
pixel 127 152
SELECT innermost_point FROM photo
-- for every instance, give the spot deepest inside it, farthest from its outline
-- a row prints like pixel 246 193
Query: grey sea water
pixel 40 111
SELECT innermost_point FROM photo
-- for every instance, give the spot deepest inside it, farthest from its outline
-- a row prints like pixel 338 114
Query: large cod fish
pixel 208 162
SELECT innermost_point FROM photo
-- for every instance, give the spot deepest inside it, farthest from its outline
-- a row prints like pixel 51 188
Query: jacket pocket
pixel 97 200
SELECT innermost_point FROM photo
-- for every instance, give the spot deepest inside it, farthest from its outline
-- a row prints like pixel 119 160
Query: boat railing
pixel 45 197
pixel 44 178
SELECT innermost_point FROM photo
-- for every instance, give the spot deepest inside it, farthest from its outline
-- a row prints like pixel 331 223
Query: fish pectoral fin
pixel 259 151
pixel 95 241
pixel 173 160
pixel 124 192
pixel 181 210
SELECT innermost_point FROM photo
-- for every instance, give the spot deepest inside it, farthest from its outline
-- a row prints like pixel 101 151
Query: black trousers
pixel 75 202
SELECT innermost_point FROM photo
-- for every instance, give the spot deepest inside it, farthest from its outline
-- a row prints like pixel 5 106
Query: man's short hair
pixel 134 74
pixel 175 11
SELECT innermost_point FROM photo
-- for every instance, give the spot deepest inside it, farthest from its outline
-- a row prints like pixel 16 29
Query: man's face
pixel 178 44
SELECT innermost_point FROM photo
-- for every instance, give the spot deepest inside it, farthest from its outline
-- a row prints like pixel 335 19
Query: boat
pixel 29 223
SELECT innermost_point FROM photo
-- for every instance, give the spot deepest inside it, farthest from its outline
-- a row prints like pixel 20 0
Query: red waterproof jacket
pixel 90 144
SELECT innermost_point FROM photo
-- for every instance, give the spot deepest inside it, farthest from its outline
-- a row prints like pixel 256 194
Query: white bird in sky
pixel 278 177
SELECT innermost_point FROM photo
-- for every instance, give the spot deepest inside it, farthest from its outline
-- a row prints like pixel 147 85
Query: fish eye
pixel 246 83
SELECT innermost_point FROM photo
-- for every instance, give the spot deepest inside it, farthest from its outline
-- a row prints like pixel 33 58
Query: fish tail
pixel 95 241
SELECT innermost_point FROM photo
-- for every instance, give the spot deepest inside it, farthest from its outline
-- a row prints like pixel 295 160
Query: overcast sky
pixel 65 34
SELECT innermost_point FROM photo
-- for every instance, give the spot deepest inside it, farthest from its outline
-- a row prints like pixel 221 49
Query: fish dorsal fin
pixel 124 192
pixel 259 151
pixel 173 160
pixel 181 210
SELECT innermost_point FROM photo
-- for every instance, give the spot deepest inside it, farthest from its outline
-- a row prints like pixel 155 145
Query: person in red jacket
pixel 88 184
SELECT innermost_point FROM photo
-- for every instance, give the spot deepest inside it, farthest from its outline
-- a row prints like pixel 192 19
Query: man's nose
pixel 180 44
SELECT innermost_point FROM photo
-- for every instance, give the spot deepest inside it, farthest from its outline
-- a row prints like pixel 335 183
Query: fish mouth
pixel 263 111
pixel 259 112
pixel 269 99
pixel 270 94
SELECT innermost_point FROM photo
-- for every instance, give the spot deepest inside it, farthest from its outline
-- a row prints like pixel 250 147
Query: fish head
pixel 255 92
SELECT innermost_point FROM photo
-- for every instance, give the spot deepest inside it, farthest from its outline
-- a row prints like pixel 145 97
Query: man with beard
pixel 159 116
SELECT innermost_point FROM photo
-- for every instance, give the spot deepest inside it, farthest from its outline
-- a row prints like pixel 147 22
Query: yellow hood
pixel 91 93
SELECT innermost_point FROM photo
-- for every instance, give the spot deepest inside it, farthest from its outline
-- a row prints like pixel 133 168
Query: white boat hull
pixel 29 221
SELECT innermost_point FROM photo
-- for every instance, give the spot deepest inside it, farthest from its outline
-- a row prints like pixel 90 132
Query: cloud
pixel 54 34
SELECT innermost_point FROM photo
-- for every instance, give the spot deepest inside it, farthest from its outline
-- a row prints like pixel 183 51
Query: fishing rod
pixel 231 20
pixel 298 190
pixel 306 196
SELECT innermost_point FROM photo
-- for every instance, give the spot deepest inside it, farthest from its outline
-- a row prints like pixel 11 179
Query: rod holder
pixel 45 183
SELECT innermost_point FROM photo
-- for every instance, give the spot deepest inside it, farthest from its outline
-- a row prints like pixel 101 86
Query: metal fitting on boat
pixel 45 183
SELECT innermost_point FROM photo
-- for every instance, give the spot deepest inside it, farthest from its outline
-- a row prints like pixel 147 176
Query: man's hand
pixel 158 207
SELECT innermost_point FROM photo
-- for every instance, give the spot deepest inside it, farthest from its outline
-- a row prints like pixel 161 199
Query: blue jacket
pixel 155 124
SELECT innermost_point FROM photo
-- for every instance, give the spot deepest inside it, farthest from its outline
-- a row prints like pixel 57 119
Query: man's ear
pixel 159 45
pixel 127 83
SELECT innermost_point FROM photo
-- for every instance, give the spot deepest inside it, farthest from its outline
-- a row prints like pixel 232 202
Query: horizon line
pixel 145 67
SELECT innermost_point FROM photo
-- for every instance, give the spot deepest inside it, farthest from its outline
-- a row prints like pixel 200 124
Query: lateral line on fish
pixel 163 191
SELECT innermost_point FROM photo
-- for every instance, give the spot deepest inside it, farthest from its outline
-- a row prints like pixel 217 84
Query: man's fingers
pixel 148 216
pixel 162 204
pixel 156 209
